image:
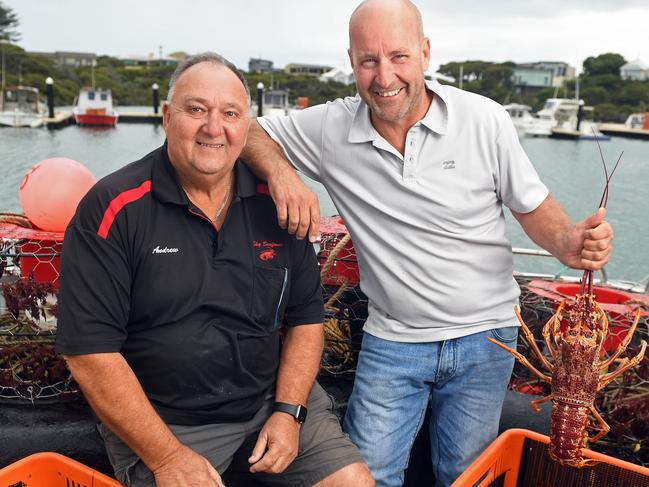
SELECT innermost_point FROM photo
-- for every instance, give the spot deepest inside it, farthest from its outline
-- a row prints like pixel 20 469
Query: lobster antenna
pixel 604 199
pixel 611 175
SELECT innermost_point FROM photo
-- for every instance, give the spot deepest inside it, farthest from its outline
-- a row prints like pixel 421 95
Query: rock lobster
pixel 577 373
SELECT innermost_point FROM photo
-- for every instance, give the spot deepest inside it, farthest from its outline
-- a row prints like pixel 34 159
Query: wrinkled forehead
pixel 209 81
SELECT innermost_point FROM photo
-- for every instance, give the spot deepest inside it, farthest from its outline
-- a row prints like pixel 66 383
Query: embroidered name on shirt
pixel 448 164
pixel 165 250
pixel 265 243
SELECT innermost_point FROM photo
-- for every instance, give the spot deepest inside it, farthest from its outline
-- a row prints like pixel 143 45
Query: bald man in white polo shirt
pixel 421 173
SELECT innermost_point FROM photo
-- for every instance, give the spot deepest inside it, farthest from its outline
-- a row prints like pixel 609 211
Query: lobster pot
pixel 519 458
pixel 30 253
pixel 337 248
pixel 345 311
pixel 30 369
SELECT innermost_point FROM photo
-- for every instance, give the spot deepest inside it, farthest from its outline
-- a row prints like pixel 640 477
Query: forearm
pixel 263 155
pixel 300 363
pixel 116 396
pixel 548 226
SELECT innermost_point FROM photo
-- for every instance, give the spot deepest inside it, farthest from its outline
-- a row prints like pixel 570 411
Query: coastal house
pixel 136 62
pixel 310 69
pixel 340 75
pixel 69 58
pixel 529 78
pixel 634 70
pixel 256 65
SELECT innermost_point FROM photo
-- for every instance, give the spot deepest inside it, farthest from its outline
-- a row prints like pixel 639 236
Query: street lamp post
pixel 260 99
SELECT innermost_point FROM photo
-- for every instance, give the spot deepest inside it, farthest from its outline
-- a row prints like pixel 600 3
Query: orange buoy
pixel 51 191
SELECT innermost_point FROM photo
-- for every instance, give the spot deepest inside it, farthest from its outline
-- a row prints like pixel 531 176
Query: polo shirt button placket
pixel 409 160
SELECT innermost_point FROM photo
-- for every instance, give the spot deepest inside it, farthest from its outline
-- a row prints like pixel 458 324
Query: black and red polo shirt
pixel 195 312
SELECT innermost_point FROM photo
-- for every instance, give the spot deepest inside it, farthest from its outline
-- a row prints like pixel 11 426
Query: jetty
pixel 63 119
pixel 623 130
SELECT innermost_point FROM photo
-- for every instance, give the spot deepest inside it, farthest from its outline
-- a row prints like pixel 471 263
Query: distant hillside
pixel 600 83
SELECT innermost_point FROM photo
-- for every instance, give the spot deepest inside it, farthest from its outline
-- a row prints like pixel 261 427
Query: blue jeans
pixel 466 380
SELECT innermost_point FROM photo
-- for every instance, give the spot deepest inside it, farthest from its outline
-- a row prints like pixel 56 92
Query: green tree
pixel 8 24
pixel 608 63
pixel 594 95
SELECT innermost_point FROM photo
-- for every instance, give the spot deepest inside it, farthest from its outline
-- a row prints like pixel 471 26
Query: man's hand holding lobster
pixel 589 243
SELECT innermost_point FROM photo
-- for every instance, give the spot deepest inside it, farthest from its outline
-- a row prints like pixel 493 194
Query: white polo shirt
pixel 428 227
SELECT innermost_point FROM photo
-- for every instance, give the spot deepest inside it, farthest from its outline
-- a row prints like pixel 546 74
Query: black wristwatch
pixel 296 410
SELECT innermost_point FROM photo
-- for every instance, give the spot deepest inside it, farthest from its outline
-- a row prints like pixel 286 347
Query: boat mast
pixel 2 43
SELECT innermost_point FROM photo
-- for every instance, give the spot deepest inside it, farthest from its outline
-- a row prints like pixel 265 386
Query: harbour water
pixel 572 171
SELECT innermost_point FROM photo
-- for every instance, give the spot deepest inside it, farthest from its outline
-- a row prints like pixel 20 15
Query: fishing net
pixel 30 370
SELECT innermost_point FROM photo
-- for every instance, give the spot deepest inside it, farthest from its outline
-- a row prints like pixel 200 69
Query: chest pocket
pixel 269 296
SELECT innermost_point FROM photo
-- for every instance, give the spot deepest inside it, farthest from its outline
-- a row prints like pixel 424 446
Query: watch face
pixel 301 414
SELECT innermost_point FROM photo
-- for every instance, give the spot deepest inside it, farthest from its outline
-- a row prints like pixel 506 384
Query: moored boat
pixel 20 106
pixel 95 107
pixel 522 118
pixel 636 126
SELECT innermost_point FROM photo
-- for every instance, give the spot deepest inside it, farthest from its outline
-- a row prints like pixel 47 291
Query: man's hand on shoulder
pixel 185 467
pixel 298 208
pixel 277 444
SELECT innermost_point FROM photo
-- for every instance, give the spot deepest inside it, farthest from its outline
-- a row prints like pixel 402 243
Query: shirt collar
pixel 436 118
pixel 166 186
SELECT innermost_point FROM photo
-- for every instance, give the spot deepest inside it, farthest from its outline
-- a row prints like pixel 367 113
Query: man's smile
pixel 389 94
pixel 210 146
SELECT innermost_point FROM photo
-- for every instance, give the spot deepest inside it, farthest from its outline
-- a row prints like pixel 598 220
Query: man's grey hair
pixel 204 57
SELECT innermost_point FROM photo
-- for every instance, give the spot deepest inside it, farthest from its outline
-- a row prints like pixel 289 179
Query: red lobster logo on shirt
pixel 267 249
pixel 267 254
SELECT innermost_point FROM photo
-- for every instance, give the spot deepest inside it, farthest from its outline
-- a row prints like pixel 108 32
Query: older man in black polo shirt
pixel 175 281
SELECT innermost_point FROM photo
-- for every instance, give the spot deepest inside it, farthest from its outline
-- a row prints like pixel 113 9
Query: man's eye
pixel 195 109
pixel 230 114
pixel 369 62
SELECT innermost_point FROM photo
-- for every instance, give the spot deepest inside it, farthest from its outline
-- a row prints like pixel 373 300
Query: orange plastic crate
pixel 52 470
pixel 520 457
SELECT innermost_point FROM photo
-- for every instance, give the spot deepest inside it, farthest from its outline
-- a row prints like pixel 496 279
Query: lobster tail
pixel 568 432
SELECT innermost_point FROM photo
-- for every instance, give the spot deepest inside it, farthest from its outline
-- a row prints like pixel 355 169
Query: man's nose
pixel 213 124
pixel 384 74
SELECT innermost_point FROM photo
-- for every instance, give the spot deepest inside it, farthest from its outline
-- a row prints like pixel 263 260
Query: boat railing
pixel 559 274
pixel 641 286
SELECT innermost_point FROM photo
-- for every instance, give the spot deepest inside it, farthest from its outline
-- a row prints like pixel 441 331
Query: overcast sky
pixel 316 31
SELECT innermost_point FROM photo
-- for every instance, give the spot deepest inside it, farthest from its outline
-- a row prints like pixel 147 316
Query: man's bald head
pixel 399 10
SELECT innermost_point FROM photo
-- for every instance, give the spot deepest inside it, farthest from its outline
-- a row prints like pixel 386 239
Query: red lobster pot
pixel 335 240
pixel 619 305
pixel 37 252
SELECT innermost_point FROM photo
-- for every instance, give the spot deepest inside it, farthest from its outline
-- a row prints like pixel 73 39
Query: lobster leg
pixel 626 364
pixel 530 338
pixel 605 427
pixel 523 361
pixel 535 404
pixel 625 343
pixel 556 328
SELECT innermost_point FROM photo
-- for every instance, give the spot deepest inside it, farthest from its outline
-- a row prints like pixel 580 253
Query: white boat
pixel 522 117
pixel 579 126
pixel 636 126
pixel 275 103
pixel 636 121
pixel 20 106
pixel 95 107
pixel 555 112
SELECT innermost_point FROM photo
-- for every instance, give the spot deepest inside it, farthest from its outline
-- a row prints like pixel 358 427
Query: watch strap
pixel 298 411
